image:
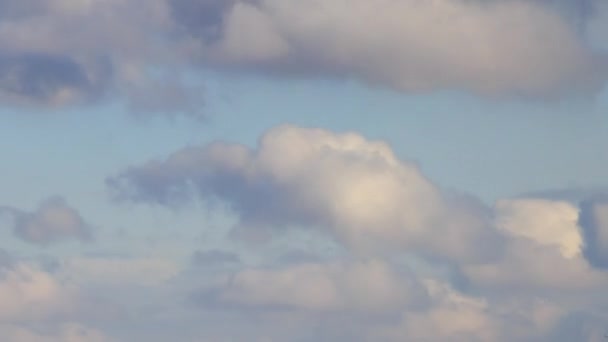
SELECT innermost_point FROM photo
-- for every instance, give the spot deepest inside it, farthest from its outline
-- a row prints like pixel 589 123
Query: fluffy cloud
pixel 355 188
pixel 370 301
pixel 53 221
pixel 551 223
pixel 458 317
pixel 409 45
pixel 542 233
pixel 520 270
pixel 60 52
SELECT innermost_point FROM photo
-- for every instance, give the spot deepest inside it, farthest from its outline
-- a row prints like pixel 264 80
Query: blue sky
pixel 233 170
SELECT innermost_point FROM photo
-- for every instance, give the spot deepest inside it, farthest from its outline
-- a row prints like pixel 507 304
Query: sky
pixel 303 170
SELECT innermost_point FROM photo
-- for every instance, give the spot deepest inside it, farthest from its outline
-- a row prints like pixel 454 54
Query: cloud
pixel 529 266
pixel 513 48
pixel 57 52
pixel 52 222
pixel 539 233
pixel 460 317
pixel 551 223
pixel 419 262
pixel 27 294
pixel 50 79
pixel 594 223
pixel 355 189
pixel 118 271
pixel 369 286
pixel 373 301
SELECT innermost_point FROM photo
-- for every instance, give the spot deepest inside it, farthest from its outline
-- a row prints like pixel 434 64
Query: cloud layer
pixel 420 262
pixel 415 261
pixel 58 52
pixel 496 48
pixel 409 259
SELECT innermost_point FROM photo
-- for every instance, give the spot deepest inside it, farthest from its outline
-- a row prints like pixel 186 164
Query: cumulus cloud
pixel 53 221
pixel 551 223
pixel 459 317
pixel 513 48
pixel 530 266
pixel 372 301
pixel 419 262
pixel 545 249
pixel 355 189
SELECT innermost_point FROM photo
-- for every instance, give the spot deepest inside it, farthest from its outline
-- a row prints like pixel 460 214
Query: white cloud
pixel 62 52
pixel 511 272
pixel 356 189
pixel 493 48
pixel 547 248
pixel 458 317
pixel 550 223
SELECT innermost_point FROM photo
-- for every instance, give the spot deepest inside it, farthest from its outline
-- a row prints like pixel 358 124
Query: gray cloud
pixel 53 221
pixel 58 53
pixel 202 18
pixel 594 225
pixel 51 79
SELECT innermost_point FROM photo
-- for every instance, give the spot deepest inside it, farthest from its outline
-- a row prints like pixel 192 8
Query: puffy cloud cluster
pixel 547 222
pixel 355 189
pixel 416 262
pixel 53 221
pixel 421 263
pixel 60 52
pixel 494 48
pixel 101 299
